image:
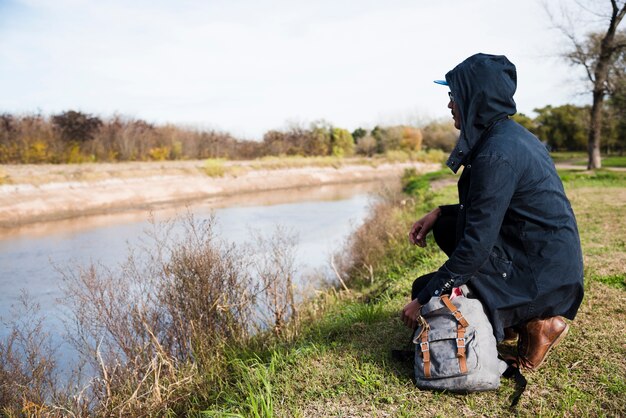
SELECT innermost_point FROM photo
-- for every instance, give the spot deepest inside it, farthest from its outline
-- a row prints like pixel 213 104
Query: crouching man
pixel 513 236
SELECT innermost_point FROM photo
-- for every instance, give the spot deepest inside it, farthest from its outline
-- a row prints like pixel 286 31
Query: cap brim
pixel 442 82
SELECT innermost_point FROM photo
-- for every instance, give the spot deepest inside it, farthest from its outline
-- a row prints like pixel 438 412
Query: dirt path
pixel 39 193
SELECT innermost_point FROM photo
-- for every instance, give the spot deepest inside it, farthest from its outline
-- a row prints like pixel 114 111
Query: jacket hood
pixel 483 87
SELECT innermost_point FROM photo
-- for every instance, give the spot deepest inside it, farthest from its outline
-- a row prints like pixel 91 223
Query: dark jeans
pixel 444 232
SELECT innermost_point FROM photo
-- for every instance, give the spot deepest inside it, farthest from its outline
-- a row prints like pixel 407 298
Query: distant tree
pixel 275 143
pixel 614 126
pixel 596 54
pixel 411 138
pixel 7 124
pixel 526 121
pixel 440 135
pixel 318 139
pixel 76 126
pixel 358 133
pixel 377 133
pixel 341 142
pixel 387 138
pixel 563 127
pixel 366 145
pixel 617 103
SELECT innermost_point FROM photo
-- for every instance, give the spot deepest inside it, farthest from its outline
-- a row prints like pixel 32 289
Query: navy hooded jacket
pixel 517 240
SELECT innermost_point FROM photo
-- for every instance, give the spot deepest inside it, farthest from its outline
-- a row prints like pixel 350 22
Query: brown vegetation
pixel 156 330
pixel 76 137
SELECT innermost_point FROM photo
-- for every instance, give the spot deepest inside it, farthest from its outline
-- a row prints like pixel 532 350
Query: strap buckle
pixel 459 316
pixel 460 342
pixel 424 346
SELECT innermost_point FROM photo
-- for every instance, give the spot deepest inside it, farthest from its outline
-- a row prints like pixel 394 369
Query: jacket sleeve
pixel 492 184
pixel 449 209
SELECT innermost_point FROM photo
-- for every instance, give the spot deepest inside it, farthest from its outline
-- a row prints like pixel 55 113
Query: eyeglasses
pixel 450 96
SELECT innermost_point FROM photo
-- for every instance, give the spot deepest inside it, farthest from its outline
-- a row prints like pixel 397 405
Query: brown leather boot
pixel 510 335
pixel 537 337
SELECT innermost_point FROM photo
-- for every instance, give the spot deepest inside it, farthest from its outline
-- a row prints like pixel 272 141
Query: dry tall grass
pixel 155 330
pixel 381 241
pixel 27 366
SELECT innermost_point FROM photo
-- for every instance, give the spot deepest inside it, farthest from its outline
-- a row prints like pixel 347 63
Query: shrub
pixel 74 155
pixel 214 167
pixel 76 126
pixel 37 152
pixel 366 145
pixel 27 365
pixel 417 186
pixel 380 247
pixel 397 156
pixel 159 153
pixel 432 156
pixel 440 135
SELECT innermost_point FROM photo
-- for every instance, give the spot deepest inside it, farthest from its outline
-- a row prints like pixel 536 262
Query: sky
pixel 246 67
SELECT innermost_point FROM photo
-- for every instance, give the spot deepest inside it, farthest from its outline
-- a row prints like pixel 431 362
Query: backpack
pixel 455 349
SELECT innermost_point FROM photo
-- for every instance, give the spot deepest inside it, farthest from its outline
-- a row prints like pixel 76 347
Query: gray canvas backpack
pixel 455 349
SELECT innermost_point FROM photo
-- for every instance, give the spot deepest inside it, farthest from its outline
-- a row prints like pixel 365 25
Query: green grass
pixel 607 162
pixel 580 158
pixel 340 364
pixel 596 178
pixel 568 156
pixel 614 161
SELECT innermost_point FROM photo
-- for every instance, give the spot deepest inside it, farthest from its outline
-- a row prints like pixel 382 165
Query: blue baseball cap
pixel 442 82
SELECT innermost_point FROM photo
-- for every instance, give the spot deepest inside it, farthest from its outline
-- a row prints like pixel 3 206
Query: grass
pixel 568 156
pixel 213 167
pixel 614 161
pixel 4 177
pixel 340 364
pixel 580 158
pixel 273 163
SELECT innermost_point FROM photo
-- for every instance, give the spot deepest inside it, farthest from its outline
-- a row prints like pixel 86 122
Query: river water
pixel 31 257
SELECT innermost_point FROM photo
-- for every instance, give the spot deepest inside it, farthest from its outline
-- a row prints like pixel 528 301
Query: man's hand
pixel 421 228
pixel 410 313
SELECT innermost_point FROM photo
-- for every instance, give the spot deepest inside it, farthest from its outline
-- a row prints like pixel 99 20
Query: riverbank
pixel 340 363
pixel 333 357
pixel 40 193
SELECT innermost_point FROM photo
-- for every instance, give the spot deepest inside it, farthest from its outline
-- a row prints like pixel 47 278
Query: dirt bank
pixel 50 192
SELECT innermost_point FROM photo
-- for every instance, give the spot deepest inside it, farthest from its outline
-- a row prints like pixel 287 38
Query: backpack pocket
pixel 444 354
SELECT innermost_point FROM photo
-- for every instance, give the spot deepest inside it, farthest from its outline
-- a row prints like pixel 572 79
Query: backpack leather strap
pixel 455 311
pixel 460 348
pixel 460 332
pixel 425 348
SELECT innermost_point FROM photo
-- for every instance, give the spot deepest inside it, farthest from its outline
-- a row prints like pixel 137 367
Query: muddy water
pixel 30 257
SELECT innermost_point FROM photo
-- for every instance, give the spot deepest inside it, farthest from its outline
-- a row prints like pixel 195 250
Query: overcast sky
pixel 248 66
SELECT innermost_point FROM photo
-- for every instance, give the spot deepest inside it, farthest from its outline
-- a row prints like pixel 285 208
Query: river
pixel 32 256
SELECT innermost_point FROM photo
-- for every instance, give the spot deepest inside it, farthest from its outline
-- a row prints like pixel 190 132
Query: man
pixel 513 236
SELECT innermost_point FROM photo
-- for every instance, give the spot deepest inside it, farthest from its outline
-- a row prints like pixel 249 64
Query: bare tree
pixel 596 53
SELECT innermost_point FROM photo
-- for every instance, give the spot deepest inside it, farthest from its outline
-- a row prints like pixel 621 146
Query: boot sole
pixel 554 344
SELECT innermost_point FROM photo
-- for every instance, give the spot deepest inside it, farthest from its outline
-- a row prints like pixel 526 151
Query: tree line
pixel 76 137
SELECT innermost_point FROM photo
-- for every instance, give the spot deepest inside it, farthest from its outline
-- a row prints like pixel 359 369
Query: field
pixel 340 365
